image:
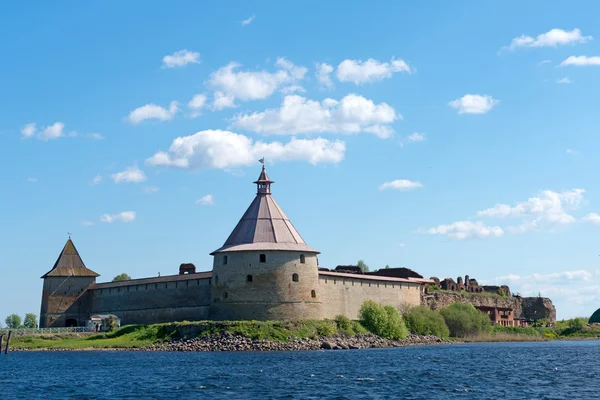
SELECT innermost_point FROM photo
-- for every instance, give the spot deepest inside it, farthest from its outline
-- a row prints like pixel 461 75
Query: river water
pixel 552 370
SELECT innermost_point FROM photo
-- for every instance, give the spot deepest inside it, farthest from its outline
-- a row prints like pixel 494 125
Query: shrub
pixel 464 320
pixel 326 328
pixel 382 320
pixel 423 321
pixel 343 322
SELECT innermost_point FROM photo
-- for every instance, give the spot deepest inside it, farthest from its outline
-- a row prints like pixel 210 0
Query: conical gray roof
pixel 264 226
pixel 69 263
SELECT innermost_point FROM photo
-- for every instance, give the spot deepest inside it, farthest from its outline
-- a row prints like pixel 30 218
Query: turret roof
pixel 69 263
pixel 264 226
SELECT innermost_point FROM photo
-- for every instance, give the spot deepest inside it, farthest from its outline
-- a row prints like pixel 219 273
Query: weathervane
pixel 69 233
pixel 262 161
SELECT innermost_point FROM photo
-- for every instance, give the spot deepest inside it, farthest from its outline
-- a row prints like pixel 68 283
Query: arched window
pixel 224 295
pixel 248 278
pixel 224 260
pixel 302 259
pixel 295 277
pixel 262 258
pixel 313 294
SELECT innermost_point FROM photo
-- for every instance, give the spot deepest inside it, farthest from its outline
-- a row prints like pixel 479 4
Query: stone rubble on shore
pixel 230 342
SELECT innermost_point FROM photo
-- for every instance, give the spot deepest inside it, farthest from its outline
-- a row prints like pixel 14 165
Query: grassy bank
pixel 135 336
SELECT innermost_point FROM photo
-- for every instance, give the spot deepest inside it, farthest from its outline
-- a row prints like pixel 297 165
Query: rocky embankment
pixel 229 342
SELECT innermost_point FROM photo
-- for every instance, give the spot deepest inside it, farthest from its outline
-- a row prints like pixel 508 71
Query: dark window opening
pixel 71 322
pixel 302 259
pixel 216 280
pixel 295 277
pixel 263 258
pixel 313 294
pixel 224 260
pixel 224 295
pixel 248 278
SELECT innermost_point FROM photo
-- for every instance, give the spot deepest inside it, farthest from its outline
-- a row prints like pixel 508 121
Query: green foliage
pixel 422 320
pixel 576 324
pixel 362 265
pixel 382 320
pixel 465 320
pixel 387 267
pixel 122 277
pixel 13 321
pixel 30 321
pixel 343 322
pixel 326 328
pixel 112 323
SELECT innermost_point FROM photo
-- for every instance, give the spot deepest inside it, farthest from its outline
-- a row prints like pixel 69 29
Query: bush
pixel 326 328
pixel 384 321
pixel 423 321
pixel 343 322
pixel 465 320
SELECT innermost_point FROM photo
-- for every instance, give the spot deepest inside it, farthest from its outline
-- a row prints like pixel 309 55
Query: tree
pixel 381 320
pixel 465 320
pixel 387 267
pixel 362 265
pixel 424 321
pixel 30 321
pixel 13 321
pixel 121 277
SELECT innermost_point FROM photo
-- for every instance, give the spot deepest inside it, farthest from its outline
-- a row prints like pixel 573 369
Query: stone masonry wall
pixel 64 298
pixel 155 302
pixel 346 295
pixel 245 288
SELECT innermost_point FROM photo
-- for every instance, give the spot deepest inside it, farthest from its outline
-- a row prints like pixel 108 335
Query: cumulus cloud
pixel 299 115
pixel 474 104
pixel 400 184
pixel 565 80
pixel 465 229
pixel 359 72
pixel 323 75
pixel 222 100
pixel 230 83
pixel 28 130
pixel 95 136
pixel 416 137
pixel 132 174
pixel 51 132
pixel 181 58
pixel 248 21
pixel 96 180
pixel 125 216
pixel 197 104
pixel 552 38
pixel 153 111
pixel 594 218
pixel 225 149
pixel 547 210
pixel 207 200
pixel 581 61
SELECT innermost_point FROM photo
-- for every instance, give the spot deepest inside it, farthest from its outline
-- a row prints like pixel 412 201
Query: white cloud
pixel 87 223
pixel 322 73
pixel 297 114
pixel 359 72
pixel 401 184
pixel 222 100
pixel 152 111
pixel 581 61
pixel 97 179
pixel 474 104
pixel 465 229
pixel 125 216
pixel 544 62
pixel 594 218
pixel 197 104
pixel 224 149
pixel 292 89
pixel 131 174
pixel 552 38
pixel 207 200
pixel 233 84
pixel 566 80
pixel 402 245
pixel 53 131
pixel 416 137
pixel 547 210
pixel 151 189
pixel 95 136
pixel 31 180
pixel 572 152
pixel 248 21
pixel 181 58
pixel 28 130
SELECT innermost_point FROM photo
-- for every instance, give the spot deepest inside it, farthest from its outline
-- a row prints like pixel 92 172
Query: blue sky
pixel 450 139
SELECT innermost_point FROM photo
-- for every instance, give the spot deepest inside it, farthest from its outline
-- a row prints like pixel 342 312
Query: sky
pixel 451 139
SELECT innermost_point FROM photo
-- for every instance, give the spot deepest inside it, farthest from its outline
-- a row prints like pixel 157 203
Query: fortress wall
pixel 342 295
pixel 64 298
pixel 272 294
pixel 151 303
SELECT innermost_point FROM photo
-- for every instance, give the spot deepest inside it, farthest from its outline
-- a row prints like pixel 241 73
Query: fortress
pixel 263 271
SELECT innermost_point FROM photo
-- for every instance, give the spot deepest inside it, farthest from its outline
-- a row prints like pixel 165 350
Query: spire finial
pixel 262 161
pixel 69 233
pixel 263 183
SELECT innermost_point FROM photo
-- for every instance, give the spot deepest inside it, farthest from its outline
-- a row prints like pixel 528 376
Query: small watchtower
pixel 64 303
pixel 265 270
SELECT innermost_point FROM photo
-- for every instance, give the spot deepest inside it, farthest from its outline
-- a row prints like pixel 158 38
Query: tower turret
pixel 265 270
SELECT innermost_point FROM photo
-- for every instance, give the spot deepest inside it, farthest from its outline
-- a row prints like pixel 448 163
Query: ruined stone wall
pixel 64 298
pixel 536 308
pixel 139 303
pixel 245 288
pixel 343 295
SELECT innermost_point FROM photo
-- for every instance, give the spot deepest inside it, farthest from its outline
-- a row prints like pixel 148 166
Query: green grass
pixel 133 336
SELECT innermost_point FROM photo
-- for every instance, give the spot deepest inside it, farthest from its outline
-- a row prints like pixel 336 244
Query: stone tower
pixel 64 296
pixel 265 270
